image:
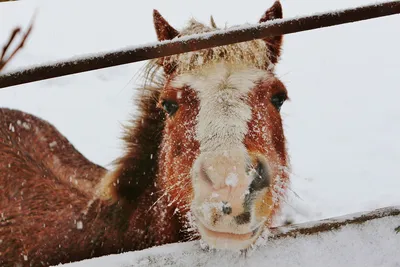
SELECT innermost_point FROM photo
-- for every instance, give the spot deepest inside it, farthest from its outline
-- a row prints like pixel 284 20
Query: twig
pixel 4 59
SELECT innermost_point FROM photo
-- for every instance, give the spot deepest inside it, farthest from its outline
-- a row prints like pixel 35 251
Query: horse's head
pixel 223 149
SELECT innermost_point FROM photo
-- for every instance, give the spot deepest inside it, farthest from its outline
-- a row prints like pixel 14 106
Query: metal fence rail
pixel 197 42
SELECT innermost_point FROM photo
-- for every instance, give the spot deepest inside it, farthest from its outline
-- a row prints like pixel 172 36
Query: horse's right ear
pixel 163 29
pixel 274 44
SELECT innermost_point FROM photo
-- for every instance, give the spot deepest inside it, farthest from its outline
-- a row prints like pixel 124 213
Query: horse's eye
pixel 170 106
pixel 278 100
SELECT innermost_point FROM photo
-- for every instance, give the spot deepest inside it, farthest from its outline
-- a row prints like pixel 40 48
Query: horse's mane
pixel 137 168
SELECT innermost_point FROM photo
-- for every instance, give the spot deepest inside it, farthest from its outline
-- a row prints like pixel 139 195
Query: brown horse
pixel 205 159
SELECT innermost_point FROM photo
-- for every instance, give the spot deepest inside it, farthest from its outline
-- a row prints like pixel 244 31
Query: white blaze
pixel 224 112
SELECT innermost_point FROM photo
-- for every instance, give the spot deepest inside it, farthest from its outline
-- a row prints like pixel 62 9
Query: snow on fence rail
pixel 197 42
pixel 361 239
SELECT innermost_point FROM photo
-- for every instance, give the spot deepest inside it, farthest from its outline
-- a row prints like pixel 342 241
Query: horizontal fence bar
pixel 197 42
pixel 332 224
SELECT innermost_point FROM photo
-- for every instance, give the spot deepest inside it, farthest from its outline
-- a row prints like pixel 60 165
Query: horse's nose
pixel 231 179
pixel 225 170
pixel 233 172
pixel 260 179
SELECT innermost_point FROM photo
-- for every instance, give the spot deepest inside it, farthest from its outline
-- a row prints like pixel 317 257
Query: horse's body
pixel 49 209
pixel 56 206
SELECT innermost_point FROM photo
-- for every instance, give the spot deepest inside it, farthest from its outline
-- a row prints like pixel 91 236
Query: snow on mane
pixel 252 53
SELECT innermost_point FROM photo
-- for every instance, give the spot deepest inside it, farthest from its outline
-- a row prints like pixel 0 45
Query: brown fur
pixel 274 148
pixel 41 209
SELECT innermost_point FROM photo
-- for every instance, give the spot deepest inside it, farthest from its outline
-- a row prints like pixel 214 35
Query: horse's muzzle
pixel 225 187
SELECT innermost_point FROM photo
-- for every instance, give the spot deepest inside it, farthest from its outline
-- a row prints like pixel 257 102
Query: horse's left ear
pixel 274 44
pixel 164 31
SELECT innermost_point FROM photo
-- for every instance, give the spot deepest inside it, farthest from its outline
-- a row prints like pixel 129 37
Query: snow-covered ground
pixel 342 123
pixel 373 243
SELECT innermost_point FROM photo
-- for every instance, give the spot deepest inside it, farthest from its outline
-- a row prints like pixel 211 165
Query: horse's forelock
pixel 195 27
pixel 252 53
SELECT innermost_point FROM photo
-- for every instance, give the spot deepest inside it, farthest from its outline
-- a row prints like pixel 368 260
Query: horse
pixel 205 159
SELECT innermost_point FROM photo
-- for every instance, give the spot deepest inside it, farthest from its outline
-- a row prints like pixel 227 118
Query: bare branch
pixel 4 59
pixel 13 34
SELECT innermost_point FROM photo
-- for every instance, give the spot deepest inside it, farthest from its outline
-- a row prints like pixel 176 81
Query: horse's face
pixel 223 152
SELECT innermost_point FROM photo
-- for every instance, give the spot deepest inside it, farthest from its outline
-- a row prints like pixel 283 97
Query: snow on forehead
pixel 212 78
pixel 253 53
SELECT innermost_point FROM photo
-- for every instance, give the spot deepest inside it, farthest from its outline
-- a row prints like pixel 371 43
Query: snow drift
pixel 362 239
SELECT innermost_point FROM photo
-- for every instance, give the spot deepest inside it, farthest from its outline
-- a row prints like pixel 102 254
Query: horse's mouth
pixel 227 240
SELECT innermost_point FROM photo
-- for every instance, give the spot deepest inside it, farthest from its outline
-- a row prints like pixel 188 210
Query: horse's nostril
pixel 249 168
pixel 226 208
pixel 261 171
pixel 261 178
